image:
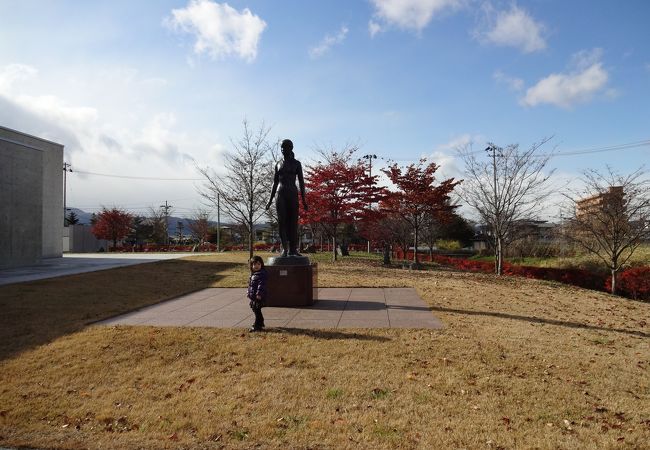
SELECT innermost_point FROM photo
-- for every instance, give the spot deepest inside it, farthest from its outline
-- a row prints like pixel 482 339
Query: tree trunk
pixel 498 257
pixel 386 254
pixel 250 243
pixel 334 255
pixel 415 248
pixel 613 281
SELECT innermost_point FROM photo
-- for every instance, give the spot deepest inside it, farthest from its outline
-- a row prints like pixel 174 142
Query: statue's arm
pixel 301 183
pixel 276 178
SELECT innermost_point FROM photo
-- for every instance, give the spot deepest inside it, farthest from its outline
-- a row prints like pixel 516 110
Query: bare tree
pixel 508 186
pixel 157 219
pixel 244 188
pixel 609 217
pixel 199 225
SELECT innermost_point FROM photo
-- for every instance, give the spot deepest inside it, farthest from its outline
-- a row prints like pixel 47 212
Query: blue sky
pixel 149 89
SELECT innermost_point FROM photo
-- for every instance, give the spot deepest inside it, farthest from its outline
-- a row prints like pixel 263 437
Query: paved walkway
pixel 336 308
pixel 73 263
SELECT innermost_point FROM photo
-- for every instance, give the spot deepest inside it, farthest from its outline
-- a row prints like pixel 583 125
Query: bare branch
pixel 243 190
pixel 609 217
pixel 507 186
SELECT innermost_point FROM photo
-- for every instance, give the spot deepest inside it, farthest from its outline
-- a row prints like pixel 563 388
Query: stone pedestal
pixel 293 281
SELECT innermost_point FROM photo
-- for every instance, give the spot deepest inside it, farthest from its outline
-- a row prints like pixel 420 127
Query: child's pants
pixel 259 318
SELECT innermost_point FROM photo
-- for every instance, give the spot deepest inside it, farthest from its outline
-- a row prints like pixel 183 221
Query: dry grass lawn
pixel 520 364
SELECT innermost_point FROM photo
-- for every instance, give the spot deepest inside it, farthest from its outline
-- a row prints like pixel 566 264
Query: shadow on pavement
pixel 324 304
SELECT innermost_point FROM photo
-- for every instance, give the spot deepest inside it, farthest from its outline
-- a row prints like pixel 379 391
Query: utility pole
pixel 218 222
pixel 166 207
pixel 66 168
pixel 180 226
pixel 370 157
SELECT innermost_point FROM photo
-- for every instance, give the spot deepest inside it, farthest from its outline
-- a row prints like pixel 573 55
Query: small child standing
pixel 257 291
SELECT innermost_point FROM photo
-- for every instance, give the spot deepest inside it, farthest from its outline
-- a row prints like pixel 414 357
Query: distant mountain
pixel 83 216
pixel 172 223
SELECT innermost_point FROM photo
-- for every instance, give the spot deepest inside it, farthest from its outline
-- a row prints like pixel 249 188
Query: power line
pixel 630 145
pixel 130 208
pixel 604 149
pixel 140 205
pixel 608 148
pixel 137 178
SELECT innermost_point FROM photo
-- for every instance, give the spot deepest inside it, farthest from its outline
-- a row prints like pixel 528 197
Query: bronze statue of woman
pixel 284 182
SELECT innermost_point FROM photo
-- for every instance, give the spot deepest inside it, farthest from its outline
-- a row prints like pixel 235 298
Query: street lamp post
pixel 370 157
pixel 218 222
pixel 66 168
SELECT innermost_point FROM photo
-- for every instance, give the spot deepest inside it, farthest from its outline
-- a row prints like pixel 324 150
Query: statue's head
pixel 287 148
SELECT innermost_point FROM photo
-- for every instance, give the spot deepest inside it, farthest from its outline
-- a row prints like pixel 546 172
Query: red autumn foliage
pixel 417 196
pixel 575 277
pixel 112 225
pixel 378 230
pixel 339 191
pixel 633 283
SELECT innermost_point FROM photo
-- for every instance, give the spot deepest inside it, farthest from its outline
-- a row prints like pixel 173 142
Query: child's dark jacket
pixel 257 285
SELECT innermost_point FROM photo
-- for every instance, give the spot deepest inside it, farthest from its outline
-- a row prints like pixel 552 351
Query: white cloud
pixel 328 41
pixel 155 82
pixel 82 129
pixel 411 14
pixel 585 58
pixel 56 110
pixel 101 138
pixel 220 30
pixel 15 72
pixel 373 28
pixel 40 109
pixel 457 142
pixel 579 85
pixel 516 84
pixel 515 28
pixel 448 165
pixel 445 154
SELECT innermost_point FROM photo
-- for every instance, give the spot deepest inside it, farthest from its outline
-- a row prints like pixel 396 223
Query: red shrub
pixel 575 277
pixel 632 283
pixel 465 264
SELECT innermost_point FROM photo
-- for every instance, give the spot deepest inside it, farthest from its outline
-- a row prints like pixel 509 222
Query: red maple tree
pixel 384 228
pixel 417 196
pixel 339 191
pixel 112 224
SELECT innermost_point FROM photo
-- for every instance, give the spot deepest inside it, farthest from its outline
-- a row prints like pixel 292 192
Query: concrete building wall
pixel 21 207
pixel 31 198
pixel 79 239
pixel 52 200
